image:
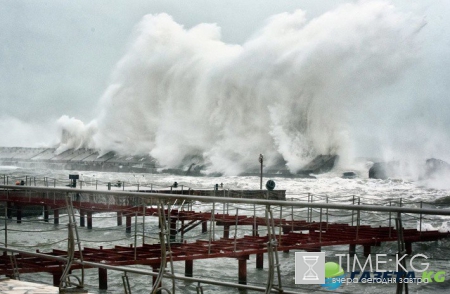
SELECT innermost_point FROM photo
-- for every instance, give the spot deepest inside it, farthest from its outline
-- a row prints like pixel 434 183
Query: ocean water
pixel 34 234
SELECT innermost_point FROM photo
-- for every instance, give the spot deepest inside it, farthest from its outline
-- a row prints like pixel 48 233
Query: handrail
pixel 143 272
pixel 146 195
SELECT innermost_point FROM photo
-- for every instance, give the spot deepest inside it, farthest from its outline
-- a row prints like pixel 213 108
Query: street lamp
pixel 261 160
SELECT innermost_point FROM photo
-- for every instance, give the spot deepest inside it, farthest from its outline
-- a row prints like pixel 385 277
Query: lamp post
pixel 261 159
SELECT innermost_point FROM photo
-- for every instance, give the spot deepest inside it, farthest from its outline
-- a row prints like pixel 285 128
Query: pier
pixel 301 226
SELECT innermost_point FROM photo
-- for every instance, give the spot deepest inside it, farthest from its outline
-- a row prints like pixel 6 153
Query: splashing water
pixel 297 89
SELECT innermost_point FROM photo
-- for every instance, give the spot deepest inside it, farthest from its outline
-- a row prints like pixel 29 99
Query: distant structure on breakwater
pixel 90 159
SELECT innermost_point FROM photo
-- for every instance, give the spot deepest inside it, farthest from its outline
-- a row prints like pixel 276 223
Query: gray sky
pixel 56 57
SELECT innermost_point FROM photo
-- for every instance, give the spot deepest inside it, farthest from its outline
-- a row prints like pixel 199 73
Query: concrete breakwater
pixel 80 159
pixel 92 160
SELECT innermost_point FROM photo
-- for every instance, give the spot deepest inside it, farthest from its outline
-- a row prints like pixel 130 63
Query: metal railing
pixel 292 210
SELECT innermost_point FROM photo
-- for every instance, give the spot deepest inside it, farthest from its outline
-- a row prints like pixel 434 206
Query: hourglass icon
pixel 310 274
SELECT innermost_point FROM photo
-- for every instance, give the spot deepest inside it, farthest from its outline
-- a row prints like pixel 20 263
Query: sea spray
pixel 296 89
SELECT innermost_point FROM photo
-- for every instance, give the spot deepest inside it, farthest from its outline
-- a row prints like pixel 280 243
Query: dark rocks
pixel 435 167
pixel 383 170
pixel 320 164
pixel 348 175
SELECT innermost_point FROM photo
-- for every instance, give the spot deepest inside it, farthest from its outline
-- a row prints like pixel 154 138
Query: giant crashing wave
pixel 295 90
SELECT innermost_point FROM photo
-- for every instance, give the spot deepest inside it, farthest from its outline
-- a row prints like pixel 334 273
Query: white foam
pixel 338 83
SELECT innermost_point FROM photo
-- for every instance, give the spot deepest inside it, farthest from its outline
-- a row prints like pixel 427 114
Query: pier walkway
pixel 280 234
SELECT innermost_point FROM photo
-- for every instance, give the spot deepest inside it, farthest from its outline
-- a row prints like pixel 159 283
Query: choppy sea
pixel 34 234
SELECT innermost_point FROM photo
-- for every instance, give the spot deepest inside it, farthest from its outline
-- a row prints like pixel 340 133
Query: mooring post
pixel 243 270
pixel 119 218
pixel 128 223
pixel 82 218
pixel 102 278
pixel 259 260
pixel 56 216
pixel 89 219
pixel 46 214
pixel 189 268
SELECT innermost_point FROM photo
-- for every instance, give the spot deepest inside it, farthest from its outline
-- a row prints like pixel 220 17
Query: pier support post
pixel 189 268
pixel 352 249
pixel 9 206
pixel 56 217
pixel 82 219
pixel 57 278
pixel 89 219
pixel 367 249
pixel 182 231
pixel 128 223
pixel 19 214
pixel 260 260
pixel 119 218
pixel 173 228
pixel 155 269
pixel 204 226
pixel 255 230
pixel 408 247
pixel 46 213
pixel 243 270
pixel 226 231
pixel 102 279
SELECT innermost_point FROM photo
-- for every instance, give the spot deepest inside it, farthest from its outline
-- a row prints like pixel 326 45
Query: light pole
pixel 261 159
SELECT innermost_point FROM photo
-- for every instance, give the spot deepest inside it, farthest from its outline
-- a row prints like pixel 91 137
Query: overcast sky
pixel 56 57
